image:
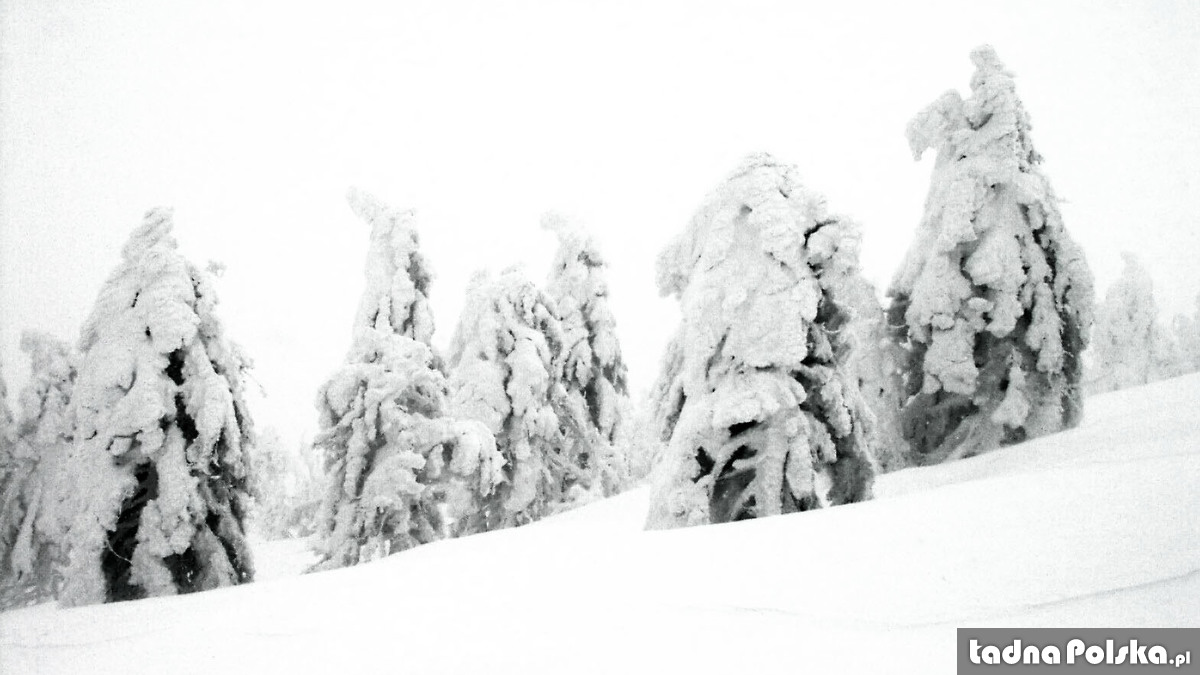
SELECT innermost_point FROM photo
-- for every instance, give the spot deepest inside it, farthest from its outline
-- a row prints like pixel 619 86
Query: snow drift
pixel 1096 526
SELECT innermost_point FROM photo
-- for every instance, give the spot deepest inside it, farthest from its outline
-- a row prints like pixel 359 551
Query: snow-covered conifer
pixel 8 435
pixel 593 398
pixel 1187 335
pixel 873 363
pixel 31 531
pixel 766 420
pixel 666 396
pixel 288 487
pixel 474 305
pixel 994 299
pixel 391 452
pixel 1129 348
pixel 643 446
pixel 158 468
pixel 505 378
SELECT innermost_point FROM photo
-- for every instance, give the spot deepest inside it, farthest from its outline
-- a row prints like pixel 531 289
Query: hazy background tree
pixel 994 300
pixel 289 486
pixel 874 363
pixel 32 532
pixel 1128 346
pixel 767 422
pixel 504 377
pixel 1186 331
pixel 159 468
pixel 593 399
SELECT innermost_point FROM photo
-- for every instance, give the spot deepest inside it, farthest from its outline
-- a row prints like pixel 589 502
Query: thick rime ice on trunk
pixel 159 468
pixel 594 397
pixel 1128 348
pixel 392 456
pixel 994 300
pixel 505 378
pixel 31 532
pixel 765 420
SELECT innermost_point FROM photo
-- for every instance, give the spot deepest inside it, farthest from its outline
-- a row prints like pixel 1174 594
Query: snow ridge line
pixel 859 623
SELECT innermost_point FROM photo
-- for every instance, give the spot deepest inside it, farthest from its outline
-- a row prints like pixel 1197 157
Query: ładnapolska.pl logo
pixel 1055 650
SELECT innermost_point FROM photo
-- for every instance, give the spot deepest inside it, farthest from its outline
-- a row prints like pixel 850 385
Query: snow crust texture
pixel 994 299
pixel 1092 527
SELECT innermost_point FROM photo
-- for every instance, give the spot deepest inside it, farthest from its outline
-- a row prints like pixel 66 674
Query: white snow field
pixel 1099 526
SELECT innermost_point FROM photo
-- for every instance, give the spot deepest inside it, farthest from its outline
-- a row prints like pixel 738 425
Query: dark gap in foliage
pixel 116 562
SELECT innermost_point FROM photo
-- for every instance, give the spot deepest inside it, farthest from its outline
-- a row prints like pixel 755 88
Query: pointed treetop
pixel 764 196
pixel 559 224
pixel 157 228
pixel 396 298
pixel 992 127
pixel 575 243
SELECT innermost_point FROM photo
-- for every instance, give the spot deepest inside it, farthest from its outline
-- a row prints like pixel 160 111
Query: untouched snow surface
pixel 1099 526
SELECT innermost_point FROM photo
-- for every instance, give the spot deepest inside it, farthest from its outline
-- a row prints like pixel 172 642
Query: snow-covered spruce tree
pixel 286 493
pixel 159 467
pixel 8 435
pixel 994 300
pixel 873 363
pixel 593 399
pixel 767 421
pixel 1187 336
pixel 32 533
pixel 8 430
pixel 474 305
pixel 505 378
pixel 391 451
pixel 1128 347
pixel 640 439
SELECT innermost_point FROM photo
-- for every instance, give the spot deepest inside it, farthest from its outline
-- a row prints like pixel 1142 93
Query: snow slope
pixel 1093 527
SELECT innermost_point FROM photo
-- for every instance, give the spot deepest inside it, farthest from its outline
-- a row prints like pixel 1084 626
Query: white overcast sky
pixel 251 119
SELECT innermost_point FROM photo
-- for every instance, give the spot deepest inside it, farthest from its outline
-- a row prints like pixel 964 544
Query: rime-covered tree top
pixel 1129 302
pixel 46 398
pixel 991 247
pixel 755 315
pixel 153 306
pixel 396 298
pixel 580 294
pixel 474 305
pixel 1130 347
